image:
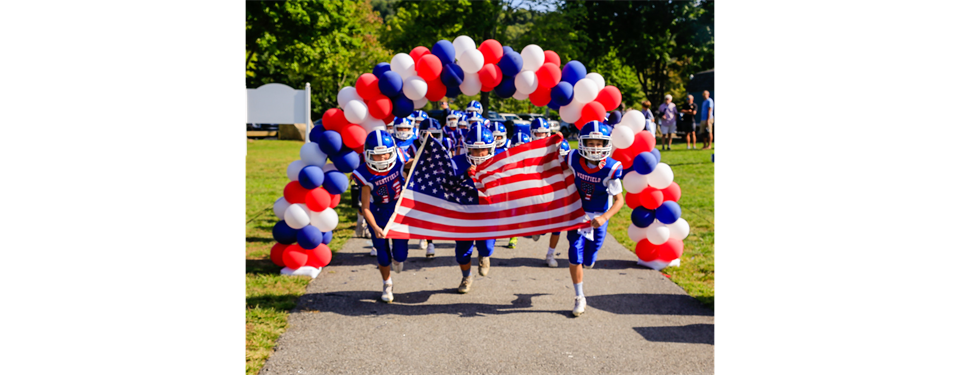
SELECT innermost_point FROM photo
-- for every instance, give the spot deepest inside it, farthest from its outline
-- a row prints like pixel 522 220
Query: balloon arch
pixel 448 69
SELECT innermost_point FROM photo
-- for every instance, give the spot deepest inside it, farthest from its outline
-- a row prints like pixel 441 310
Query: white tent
pixel 276 103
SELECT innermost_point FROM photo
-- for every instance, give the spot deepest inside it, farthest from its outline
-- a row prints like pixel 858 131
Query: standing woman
pixel 597 177
pixel 382 180
pixel 647 114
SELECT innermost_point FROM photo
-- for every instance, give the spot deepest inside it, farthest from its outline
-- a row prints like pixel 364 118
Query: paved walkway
pixel 516 320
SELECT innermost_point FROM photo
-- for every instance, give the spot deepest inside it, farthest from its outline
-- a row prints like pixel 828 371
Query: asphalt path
pixel 515 320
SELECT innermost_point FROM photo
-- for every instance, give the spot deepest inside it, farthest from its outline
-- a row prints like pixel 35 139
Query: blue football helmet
pixel 379 142
pixel 462 122
pixel 595 130
pixel 403 128
pixel 479 138
pixel 452 119
pixel 430 127
pixel 564 148
pixel 539 128
pixel 499 131
pixel 519 139
pixel 474 118
pixel 474 107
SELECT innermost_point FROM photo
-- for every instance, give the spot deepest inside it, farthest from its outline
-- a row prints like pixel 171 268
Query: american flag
pixel 522 191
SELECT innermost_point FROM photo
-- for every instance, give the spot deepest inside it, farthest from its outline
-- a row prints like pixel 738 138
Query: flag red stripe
pixel 457 236
pixel 413 204
pixel 523 177
pixel 527 162
pixel 529 192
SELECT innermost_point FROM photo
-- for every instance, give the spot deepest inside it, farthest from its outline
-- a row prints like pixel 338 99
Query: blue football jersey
pixel 592 183
pixel 385 187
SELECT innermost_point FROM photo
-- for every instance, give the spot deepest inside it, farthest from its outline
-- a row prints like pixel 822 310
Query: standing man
pixel 706 121
pixel 668 122
pixel 688 111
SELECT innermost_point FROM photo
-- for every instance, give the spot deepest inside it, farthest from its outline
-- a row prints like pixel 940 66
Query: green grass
pixel 271 296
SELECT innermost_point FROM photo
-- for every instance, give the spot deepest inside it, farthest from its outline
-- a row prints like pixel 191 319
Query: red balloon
pixel 610 98
pixel 353 136
pixel 551 57
pixel 333 119
pixel 359 151
pixel 549 75
pixel 490 75
pixel 670 250
pixel 388 120
pixel 367 86
pixel 419 52
pixel 294 256
pixel 294 192
pixel 646 251
pixel 334 200
pixel 651 198
pixel 319 256
pixel 624 156
pixel 436 90
pixel 642 142
pixel 672 192
pixel 492 51
pixel 486 88
pixel 380 107
pixel 593 111
pixel 429 67
pixel 276 254
pixel 633 200
pixel 540 97
pixel 317 199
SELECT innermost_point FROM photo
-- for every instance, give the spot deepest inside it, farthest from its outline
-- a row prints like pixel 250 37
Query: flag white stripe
pixel 537 152
pixel 437 218
pixel 520 185
pixel 544 229
pixel 517 203
pixel 524 170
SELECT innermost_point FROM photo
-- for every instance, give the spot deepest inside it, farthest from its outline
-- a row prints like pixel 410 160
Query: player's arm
pixel 365 208
pixel 602 219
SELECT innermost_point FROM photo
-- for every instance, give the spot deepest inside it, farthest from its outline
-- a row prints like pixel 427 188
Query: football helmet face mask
pixel 479 138
pixel 452 119
pixel 474 107
pixel 539 129
pixel 379 142
pixel 403 129
pixel 595 130
pixel 499 131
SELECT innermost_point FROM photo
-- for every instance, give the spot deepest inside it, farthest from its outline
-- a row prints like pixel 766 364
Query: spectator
pixel 647 114
pixel 688 112
pixel 706 121
pixel 668 122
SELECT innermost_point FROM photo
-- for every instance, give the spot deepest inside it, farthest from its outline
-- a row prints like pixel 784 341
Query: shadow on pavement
pixel 691 334
pixel 363 303
pixel 648 304
pixel 416 260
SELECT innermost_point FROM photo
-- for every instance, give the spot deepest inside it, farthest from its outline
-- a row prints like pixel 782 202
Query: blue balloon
pixel 311 177
pixel 510 63
pixel 655 152
pixel 390 84
pixel 283 233
pixel 380 68
pixel 453 91
pixel 327 237
pixel 309 237
pixel 507 49
pixel 452 75
pixel 642 217
pixel 330 142
pixel 668 212
pixel 346 163
pixel 444 51
pixel 573 72
pixel 402 107
pixel 562 94
pixel 336 182
pixel 316 132
pixel 553 105
pixel 614 118
pixel 644 163
pixel 506 88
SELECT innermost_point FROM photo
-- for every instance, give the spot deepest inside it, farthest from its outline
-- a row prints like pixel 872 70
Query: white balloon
pixel 657 233
pixel 471 61
pixel 310 154
pixel 463 44
pixel 293 170
pixel 680 229
pixel 297 216
pixel 585 91
pixel 420 103
pixel 598 79
pixel 571 112
pixel 325 220
pixel 517 95
pixel 347 94
pixel 402 64
pixel 634 119
pixel 661 177
pixel 622 136
pixel 355 111
pixel 533 57
pixel 280 207
pixel 636 233
pixel 371 124
pixel 634 182
pixel 526 82
pixel 329 167
pixel 414 87
pixel 471 84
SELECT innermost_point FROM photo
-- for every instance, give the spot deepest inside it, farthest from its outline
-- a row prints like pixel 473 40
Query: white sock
pixel 578 288
pixel 388 281
pixel 550 250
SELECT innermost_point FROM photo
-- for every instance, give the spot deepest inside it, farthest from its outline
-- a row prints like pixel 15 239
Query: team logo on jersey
pixel 587 189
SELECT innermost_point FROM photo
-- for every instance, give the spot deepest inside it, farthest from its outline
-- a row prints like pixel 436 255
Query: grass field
pixel 270 296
